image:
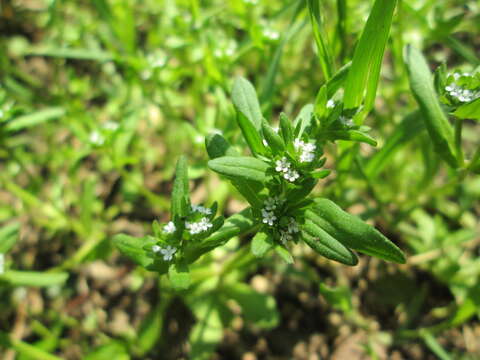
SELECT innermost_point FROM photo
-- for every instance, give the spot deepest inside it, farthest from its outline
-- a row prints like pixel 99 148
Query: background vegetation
pixel 98 99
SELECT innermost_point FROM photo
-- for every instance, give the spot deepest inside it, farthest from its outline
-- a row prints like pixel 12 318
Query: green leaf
pixel 25 349
pixel 240 167
pixel 273 139
pixel 284 254
pixel 179 276
pixel 150 330
pixel 132 247
pixel 326 245
pixel 217 146
pixel 321 39
pixel 351 135
pixel 38 117
pixel 208 330
pixel 469 111
pixel 33 278
pixel 260 244
pixel 338 80
pixel 249 190
pixel 411 126
pixel 112 350
pixel 258 309
pixel 303 120
pixel 286 129
pixel 249 115
pixel 8 237
pixel 352 232
pixel 421 83
pixel 180 199
pixel 367 59
pixel 246 103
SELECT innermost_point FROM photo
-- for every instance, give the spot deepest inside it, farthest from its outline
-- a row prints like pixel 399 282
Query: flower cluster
pixel 461 94
pixel 197 227
pixel 284 168
pixel 167 251
pixel 287 234
pixel 306 150
pixel 270 204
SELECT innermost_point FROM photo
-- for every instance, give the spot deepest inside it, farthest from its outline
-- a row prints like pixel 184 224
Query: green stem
pixel 458 141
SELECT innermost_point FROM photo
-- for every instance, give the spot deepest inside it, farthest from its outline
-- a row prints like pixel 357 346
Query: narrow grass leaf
pixel 8 237
pixel 38 117
pixel 365 70
pixel 33 278
pixel 180 199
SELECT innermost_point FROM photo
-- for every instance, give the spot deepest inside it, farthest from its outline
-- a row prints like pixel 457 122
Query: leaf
pixel 33 278
pixel 25 349
pixel 284 254
pixel 8 237
pixel 132 247
pixel 71 53
pixel 434 346
pixel 421 83
pixel 208 330
pixel 352 232
pixel 179 276
pixel 303 120
pixel 246 103
pixel 411 126
pixel 150 330
pixel 249 115
pixel 339 297
pixel 249 190
pixel 321 39
pixel 38 117
pixel 180 199
pixel 241 167
pixel 260 244
pixel 367 59
pixel 111 350
pixel 469 111
pixel 217 146
pixel 286 129
pixel 273 139
pixel 325 245
pixel 351 135
pixel 258 309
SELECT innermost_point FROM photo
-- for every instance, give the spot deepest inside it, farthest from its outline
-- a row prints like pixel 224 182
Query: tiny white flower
pixel 271 34
pixel 346 121
pixel 169 228
pixel 156 248
pixel 330 104
pixel 282 165
pixel 298 144
pixel 270 204
pixel 197 227
pixel 291 175
pixel 201 209
pixel 96 138
pixel 168 252
pixel 110 125
pixel 2 263
pixel 268 217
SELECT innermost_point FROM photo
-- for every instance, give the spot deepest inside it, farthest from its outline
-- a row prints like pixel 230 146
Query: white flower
pixel 96 138
pixel 2 263
pixel 330 104
pixel 271 34
pixel 463 95
pixel 110 125
pixel 268 217
pixel 168 252
pixel 271 203
pixel 307 150
pixel 291 175
pixel 284 237
pixel 169 228
pixel 197 227
pixel 201 209
pixel 156 248
pixel 346 121
pixel 282 165
pixel 292 226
